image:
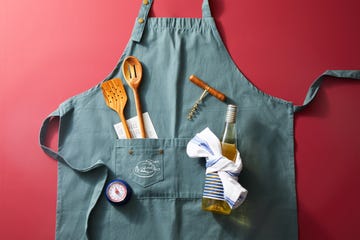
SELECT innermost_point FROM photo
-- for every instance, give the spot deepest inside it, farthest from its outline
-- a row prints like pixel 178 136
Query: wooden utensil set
pixel 115 94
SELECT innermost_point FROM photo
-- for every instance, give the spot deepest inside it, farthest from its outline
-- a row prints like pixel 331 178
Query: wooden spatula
pixel 115 98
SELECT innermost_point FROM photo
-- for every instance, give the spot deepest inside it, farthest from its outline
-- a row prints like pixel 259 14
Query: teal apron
pixel 167 203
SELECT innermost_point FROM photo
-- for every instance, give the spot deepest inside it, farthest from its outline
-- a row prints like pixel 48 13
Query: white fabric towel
pixel 206 144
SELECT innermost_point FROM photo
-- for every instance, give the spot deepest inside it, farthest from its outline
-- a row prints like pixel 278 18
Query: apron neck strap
pixel 141 20
pixel 206 9
pixel 142 17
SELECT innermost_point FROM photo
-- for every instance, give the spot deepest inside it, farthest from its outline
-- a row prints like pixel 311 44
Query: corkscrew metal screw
pixel 207 89
pixel 195 107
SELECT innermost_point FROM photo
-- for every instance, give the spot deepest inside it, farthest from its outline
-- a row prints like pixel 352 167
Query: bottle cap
pixel 231 113
pixel 118 192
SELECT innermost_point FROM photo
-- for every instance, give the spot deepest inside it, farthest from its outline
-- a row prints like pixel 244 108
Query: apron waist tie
pixel 315 86
pixel 98 166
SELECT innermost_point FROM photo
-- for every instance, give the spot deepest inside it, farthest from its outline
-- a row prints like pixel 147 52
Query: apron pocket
pixel 141 161
pixel 158 168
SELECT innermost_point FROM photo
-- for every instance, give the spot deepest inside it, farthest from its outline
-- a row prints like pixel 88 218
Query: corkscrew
pixel 207 89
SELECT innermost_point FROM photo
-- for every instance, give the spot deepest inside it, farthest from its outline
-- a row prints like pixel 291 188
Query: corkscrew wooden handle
pixel 219 95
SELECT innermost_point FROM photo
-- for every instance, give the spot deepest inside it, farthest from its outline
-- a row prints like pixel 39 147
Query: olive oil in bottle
pixel 213 197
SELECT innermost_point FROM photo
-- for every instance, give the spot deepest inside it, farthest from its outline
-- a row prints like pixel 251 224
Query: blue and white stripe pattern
pixel 221 181
pixel 213 187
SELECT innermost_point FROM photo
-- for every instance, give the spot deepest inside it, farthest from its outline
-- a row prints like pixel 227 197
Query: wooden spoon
pixel 132 71
pixel 115 97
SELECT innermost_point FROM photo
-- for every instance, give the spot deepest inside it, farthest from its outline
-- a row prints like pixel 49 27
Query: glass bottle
pixel 213 197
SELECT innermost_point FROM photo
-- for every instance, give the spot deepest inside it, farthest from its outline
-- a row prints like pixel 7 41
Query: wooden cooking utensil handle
pixel 126 128
pixel 219 95
pixel 139 113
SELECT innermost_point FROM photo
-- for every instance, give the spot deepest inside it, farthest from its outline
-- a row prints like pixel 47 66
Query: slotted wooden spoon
pixel 132 71
pixel 115 98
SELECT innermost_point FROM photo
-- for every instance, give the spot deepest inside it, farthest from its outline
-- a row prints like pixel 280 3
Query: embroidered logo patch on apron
pixel 143 165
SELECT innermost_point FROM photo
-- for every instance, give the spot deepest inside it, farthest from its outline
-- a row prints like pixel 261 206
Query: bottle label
pixel 213 187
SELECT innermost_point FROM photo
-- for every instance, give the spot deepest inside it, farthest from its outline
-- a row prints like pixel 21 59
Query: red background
pixel 52 50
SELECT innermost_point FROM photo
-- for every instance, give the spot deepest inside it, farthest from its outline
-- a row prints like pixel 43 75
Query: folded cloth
pixel 206 144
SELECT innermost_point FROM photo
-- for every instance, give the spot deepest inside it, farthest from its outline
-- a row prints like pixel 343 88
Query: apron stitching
pixel 142 18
